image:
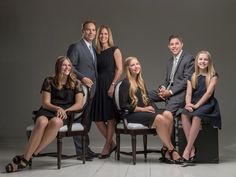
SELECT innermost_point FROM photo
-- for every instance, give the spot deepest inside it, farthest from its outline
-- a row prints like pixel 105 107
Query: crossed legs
pixel 191 130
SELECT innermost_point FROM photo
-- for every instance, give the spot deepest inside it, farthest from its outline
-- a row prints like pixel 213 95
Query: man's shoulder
pixel 187 55
pixel 76 43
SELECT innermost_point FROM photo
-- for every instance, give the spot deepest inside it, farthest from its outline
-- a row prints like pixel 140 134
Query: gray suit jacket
pixel 83 63
pixel 185 69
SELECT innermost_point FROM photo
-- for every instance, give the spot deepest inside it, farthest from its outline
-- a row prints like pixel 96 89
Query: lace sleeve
pixel 47 84
pixel 78 88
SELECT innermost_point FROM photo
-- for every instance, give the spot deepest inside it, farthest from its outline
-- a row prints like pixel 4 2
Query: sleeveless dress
pixel 145 118
pixel 103 108
pixel 209 112
pixel 63 98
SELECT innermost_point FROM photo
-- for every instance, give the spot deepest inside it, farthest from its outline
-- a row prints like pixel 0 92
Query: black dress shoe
pixel 93 154
pixel 87 158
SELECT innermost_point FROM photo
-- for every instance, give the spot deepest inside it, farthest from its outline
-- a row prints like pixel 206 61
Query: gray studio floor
pixel 46 166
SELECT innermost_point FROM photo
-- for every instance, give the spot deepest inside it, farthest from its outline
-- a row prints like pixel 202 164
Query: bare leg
pixel 110 133
pixel 186 123
pixel 162 128
pixel 107 130
pixel 194 130
pixel 102 127
pixel 50 133
pixel 169 117
pixel 36 136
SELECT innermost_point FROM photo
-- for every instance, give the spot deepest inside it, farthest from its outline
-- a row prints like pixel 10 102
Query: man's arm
pixel 73 54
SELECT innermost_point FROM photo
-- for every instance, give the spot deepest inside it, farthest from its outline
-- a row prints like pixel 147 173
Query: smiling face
pixel 66 67
pixel 104 36
pixel 175 46
pixel 203 61
pixel 134 67
pixel 89 32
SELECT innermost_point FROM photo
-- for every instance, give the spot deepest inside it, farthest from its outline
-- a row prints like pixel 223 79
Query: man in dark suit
pixel 83 58
pixel 180 67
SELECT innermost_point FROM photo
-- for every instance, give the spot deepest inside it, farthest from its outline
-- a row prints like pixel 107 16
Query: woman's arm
pixel 46 102
pixel 207 95
pixel 118 71
pixel 78 103
pixel 188 97
pixel 144 109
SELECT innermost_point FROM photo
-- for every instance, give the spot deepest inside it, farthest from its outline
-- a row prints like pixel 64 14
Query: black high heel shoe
pixel 20 163
pixel 193 158
pixel 180 160
pixel 164 150
pixel 113 149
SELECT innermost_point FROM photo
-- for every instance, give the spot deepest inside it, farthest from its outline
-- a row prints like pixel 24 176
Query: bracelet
pixel 113 83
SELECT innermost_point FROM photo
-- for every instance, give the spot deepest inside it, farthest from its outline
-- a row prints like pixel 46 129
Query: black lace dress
pixel 63 98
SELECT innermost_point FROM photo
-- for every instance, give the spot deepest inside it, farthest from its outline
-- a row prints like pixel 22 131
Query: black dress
pixel 63 98
pixel 103 108
pixel 209 112
pixel 145 118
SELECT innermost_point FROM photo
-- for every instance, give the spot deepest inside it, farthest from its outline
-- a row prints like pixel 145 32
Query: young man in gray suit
pixel 83 58
pixel 179 68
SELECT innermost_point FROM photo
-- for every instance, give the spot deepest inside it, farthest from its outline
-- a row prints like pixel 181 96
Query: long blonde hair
pixel 134 86
pixel 97 41
pixel 210 69
pixel 71 80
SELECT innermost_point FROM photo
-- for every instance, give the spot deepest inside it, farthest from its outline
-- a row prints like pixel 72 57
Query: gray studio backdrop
pixel 33 33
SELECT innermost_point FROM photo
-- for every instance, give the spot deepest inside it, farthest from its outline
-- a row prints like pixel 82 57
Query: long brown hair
pixel 134 86
pixel 210 69
pixel 97 41
pixel 71 80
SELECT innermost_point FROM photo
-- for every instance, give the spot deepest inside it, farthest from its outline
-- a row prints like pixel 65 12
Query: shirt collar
pixel 178 56
pixel 87 43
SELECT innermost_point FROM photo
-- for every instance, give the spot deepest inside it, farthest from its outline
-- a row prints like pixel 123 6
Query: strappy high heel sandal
pixel 13 167
pixel 193 158
pixel 176 161
pixel 16 160
pixel 164 150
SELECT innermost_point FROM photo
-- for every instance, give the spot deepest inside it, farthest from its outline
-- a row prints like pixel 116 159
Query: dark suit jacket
pixel 185 69
pixel 83 63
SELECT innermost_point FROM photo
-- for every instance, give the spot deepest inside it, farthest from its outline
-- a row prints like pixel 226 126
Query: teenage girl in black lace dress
pixel 60 94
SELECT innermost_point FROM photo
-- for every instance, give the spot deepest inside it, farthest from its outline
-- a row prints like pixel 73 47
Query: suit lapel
pixel 89 54
pixel 180 60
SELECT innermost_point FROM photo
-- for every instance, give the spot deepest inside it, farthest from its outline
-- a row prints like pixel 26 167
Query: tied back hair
pixel 210 70
pixel 71 81
pixel 134 86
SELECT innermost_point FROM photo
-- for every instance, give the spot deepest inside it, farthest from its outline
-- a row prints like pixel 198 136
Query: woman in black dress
pixel 60 94
pixel 201 104
pixel 109 67
pixel 134 98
